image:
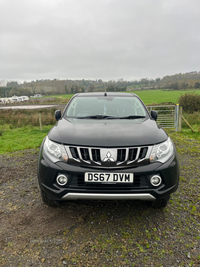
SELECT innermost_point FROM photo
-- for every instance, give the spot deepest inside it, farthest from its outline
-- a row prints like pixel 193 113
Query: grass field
pixel 68 96
pixel 149 96
pixel 162 96
pixel 21 138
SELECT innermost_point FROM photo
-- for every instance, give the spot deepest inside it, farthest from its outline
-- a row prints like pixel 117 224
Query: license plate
pixel 96 177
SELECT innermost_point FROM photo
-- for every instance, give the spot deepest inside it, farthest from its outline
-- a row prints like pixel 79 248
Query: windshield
pixel 95 107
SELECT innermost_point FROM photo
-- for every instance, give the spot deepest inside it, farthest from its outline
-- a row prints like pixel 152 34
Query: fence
pixel 167 115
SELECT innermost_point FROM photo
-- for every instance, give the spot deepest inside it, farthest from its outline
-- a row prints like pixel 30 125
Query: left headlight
pixel 55 152
pixel 162 152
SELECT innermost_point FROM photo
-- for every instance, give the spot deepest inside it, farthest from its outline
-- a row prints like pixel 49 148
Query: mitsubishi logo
pixel 108 157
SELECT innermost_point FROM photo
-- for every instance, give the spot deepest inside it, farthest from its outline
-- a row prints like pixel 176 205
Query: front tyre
pixel 159 203
pixel 47 201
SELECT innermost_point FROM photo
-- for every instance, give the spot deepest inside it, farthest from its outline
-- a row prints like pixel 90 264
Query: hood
pixel 107 133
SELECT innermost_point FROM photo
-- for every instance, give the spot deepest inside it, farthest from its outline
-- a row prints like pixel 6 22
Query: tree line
pixel 56 86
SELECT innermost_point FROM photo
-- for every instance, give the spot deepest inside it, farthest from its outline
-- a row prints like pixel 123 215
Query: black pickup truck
pixel 107 146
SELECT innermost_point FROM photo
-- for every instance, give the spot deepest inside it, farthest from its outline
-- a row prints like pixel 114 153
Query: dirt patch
pixel 97 233
pixel 22 206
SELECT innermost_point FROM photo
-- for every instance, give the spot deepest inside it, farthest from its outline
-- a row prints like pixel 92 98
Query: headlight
pixel 55 152
pixel 162 152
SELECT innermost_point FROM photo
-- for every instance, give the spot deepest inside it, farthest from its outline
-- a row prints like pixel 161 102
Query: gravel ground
pixel 98 233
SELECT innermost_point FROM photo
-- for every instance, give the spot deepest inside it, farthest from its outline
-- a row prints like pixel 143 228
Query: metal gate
pixel 167 115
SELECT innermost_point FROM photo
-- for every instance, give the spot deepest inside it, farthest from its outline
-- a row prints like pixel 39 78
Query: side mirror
pixel 57 115
pixel 154 114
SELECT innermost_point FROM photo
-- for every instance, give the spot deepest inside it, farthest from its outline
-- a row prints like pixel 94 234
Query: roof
pixel 103 94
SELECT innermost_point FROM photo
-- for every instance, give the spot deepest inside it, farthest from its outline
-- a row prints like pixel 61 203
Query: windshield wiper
pixel 106 117
pixel 97 117
pixel 132 117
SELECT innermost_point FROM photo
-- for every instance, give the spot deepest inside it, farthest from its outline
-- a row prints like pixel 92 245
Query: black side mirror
pixel 154 114
pixel 57 115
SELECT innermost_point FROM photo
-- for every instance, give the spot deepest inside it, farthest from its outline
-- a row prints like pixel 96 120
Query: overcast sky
pixel 98 39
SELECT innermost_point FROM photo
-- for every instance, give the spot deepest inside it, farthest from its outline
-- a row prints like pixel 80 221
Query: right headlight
pixel 55 152
pixel 162 152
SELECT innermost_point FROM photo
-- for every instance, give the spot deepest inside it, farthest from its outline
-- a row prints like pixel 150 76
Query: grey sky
pixel 101 39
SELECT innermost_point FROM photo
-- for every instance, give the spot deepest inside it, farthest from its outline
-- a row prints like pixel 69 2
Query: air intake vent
pixel 143 152
pixel 85 154
pixel 121 155
pixel 132 154
pixel 96 155
pixel 74 152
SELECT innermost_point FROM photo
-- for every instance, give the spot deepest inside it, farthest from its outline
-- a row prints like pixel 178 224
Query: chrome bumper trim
pixel 75 196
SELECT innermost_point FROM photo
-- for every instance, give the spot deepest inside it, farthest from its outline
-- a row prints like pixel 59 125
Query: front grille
pixel 116 157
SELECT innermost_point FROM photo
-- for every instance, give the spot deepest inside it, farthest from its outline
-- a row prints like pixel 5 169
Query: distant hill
pixel 191 78
pixel 194 75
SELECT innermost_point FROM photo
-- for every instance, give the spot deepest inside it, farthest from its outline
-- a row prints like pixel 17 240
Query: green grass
pixel 193 119
pixel 21 138
pixel 161 96
pixel 68 96
pixel 62 96
pixel 187 133
pixel 149 96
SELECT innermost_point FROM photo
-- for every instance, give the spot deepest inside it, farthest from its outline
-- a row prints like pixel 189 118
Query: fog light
pixel 62 179
pixel 156 180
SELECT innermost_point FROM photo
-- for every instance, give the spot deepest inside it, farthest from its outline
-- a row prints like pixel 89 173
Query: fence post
pixel 40 122
pixel 188 124
pixel 180 119
pixel 177 112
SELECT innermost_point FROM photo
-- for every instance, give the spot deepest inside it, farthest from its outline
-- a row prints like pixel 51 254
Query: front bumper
pixel 76 196
pixel 76 188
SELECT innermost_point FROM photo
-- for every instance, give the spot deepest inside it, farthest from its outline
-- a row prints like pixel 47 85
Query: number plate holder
pixel 100 177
